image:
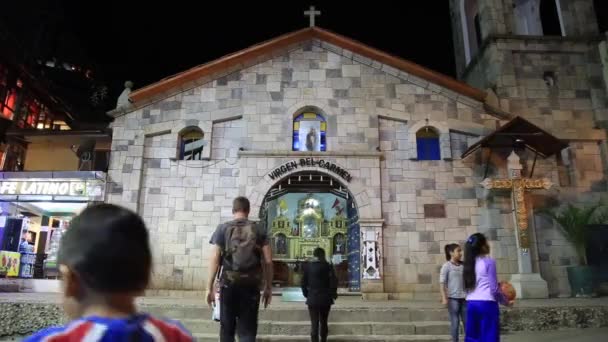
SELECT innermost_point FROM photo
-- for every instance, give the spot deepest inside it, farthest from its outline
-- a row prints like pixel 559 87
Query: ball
pixel 508 291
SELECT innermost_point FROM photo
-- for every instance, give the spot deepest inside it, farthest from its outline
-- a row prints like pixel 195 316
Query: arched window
pixel 191 144
pixel 309 130
pixel 526 18
pixel 477 23
pixel 427 142
pixel 549 17
pixel 471 28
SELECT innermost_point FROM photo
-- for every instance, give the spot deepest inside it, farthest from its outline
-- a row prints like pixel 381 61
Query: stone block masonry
pixel 372 114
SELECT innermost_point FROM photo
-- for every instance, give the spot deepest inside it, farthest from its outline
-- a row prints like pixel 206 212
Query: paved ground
pixel 570 335
pixel 575 335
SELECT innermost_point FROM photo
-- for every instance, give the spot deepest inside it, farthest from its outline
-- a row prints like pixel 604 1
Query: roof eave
pixel 240 57
pixel 218 64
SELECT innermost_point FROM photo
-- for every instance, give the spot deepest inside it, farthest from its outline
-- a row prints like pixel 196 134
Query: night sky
pixel 147 41
pixel 145 47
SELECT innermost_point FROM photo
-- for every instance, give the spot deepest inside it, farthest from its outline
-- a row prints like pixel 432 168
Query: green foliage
pixel 574 221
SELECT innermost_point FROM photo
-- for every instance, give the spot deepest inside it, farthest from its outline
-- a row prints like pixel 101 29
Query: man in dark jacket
pixel 320 287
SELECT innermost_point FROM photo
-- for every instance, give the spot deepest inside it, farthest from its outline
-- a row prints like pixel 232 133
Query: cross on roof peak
pixel 311 14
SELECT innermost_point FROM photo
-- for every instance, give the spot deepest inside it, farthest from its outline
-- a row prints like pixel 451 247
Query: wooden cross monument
pixel 520 134
pixel 518 186
pixel 527 283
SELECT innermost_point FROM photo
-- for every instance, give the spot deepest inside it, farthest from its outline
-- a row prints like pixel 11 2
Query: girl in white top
pixel 451 286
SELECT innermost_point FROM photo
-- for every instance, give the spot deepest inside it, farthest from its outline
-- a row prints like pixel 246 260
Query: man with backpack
pixel 241 248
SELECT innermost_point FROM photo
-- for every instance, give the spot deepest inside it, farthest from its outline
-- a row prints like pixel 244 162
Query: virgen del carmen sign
pixel 306 162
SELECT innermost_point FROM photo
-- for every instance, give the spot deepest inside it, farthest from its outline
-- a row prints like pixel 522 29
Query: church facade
pixel 339 145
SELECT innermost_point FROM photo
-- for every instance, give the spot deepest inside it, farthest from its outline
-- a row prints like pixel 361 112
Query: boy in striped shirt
pixel 105 262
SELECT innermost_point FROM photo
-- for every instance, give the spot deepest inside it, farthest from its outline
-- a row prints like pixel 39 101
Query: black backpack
pixel 242 253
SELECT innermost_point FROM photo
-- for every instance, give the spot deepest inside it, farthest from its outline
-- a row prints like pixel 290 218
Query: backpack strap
pixel 227 252
pixel 228 237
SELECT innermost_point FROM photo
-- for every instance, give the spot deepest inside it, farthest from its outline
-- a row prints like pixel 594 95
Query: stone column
pixel 526 282
pixel 599 97
pixel 126 162
pixel 372 272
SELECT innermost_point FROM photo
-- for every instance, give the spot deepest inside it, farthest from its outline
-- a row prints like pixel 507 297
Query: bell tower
pixel 543 61
pixel 476 24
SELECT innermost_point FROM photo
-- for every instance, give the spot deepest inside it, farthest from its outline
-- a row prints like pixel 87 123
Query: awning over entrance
pixel 523 134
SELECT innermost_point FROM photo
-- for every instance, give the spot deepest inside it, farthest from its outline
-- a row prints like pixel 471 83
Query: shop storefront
pixel 37 208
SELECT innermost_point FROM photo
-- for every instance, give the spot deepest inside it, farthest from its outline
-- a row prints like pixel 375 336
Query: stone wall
pixel 22 319
pixel 414 233
pixel 587 186
pixel 373 112
pixel 579 17
pixel 515 68
pixel 19 319
pixel 572 108
pixel 252 109
pixel 497 18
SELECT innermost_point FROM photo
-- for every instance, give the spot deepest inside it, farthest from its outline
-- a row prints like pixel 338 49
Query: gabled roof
pixel 522 132
pixel 265 48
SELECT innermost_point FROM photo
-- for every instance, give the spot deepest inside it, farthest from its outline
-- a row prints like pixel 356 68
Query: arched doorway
pixel 311 209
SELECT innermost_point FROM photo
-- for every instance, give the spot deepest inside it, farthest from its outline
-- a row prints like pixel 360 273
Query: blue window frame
pixel 427 143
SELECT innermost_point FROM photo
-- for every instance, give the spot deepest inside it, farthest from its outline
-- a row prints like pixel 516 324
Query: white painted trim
pixel 465 33
pixel 297 108
pixel 300 154
pixel 559 14
pixel 206 128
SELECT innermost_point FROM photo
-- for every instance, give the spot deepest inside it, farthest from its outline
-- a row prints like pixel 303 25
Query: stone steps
pixel 351 319
pixel 338 314
pixel 197 326
pixel 346 323
pixel 337 338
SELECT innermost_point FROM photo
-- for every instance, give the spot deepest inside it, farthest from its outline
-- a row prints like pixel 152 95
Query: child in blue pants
pixel 483 315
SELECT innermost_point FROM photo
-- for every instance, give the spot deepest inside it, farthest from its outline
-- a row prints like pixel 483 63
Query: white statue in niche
pixel 339 244
pixel 311 140
pixel 281 244
pixel 310 216
pixel 310 227
pixel 310 135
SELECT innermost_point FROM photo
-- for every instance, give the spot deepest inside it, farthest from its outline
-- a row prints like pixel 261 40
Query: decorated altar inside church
pixel 301 223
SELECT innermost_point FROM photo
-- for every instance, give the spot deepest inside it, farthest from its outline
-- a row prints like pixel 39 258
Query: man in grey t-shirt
pixel 241 247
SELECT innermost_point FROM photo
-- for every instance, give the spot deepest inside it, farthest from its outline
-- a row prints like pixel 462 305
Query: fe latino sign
pixel 43 188
pixel 76 188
